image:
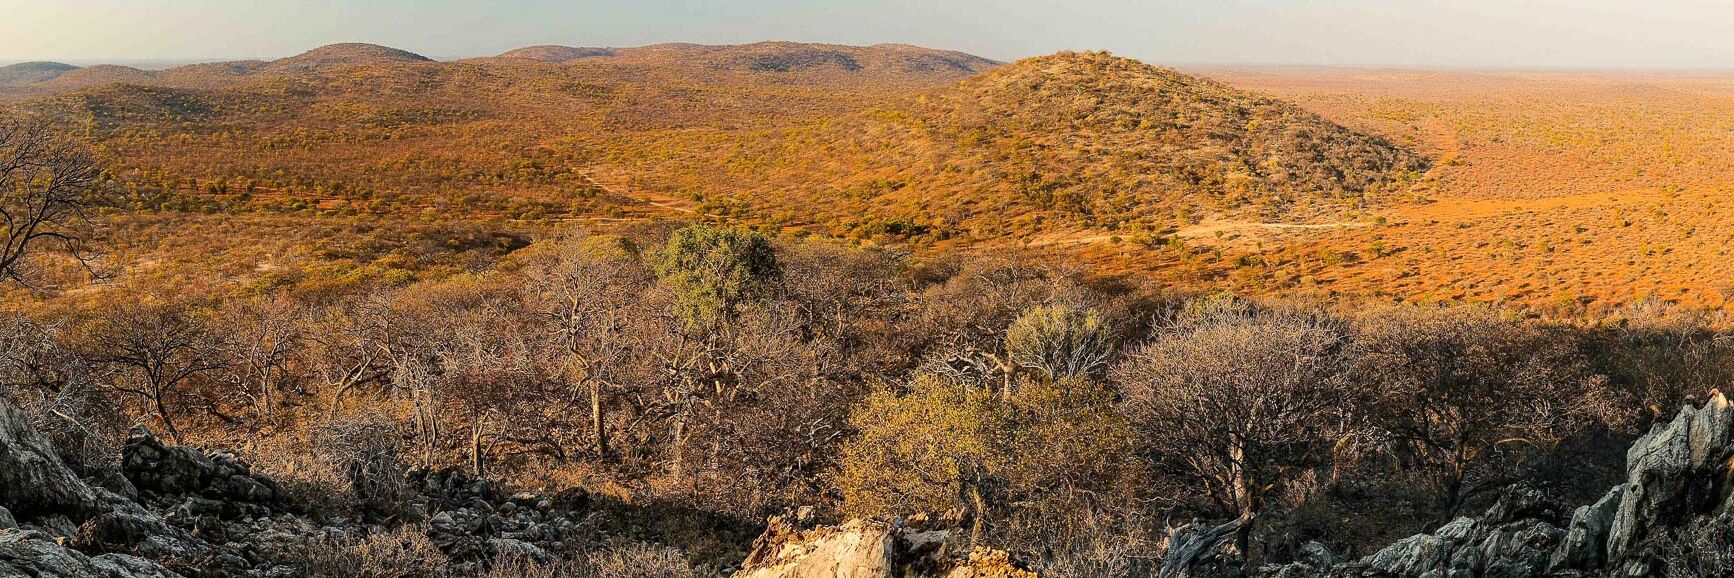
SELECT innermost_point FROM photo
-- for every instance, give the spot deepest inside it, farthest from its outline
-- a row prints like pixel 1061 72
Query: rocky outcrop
pixel 1677 472
pixel 1515 538
pixel 177 511
pixel 473 522
pixel 28 554
pixel 1585 545
pixel 792 547
pixel 33 480
pixel 1676 508
pixel 171 473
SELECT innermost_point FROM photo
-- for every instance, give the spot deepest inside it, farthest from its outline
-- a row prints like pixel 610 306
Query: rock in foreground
pixel 868 549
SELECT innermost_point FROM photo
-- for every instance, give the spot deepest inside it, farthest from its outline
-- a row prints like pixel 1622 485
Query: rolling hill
pixel 555 53
pixel 99 75
pixel 345 54
pixel 1074 139
pixel 32 72
pixel 892 63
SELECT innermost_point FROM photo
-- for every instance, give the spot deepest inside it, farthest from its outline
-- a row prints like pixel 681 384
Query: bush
pixel 1019 462
pixel 1704 548
pixel 1460 393
pixel 1060 341
pixel 637 560
pixel 713 271
pixel 363 450
pixel 404 552
pixel 1238 399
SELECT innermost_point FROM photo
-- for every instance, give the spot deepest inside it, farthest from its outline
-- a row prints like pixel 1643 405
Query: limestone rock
pixel 1675 470
pixel 27 554
pixel 1585 544
pixel 33 480
pixel 172 472
pixel 867 549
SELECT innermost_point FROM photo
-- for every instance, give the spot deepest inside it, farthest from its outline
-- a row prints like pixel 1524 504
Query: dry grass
pixel 1566 193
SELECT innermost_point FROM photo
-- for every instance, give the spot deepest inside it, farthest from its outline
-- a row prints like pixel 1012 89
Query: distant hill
pixel 99 75
pixel 794 56
pixel 880 60
pixel 210 72
pixel 32 72
pixel 1082 138
pixel 346 54
pixel 552 53
pixel 887 66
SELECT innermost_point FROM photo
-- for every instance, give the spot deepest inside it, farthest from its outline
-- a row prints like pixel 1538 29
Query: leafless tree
pixel 264 340
pixel 1453 389
pixel 589 292
pixel 161 347
pixel 1238 399
pixel 49 190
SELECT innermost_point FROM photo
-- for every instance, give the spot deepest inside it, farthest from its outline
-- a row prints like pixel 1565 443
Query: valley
pixel 1573 193
pixel 801 310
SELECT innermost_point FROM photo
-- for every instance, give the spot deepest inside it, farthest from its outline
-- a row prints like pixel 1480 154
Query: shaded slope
pixel 32 72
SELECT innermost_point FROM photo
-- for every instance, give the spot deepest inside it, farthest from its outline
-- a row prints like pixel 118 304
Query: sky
pixel 1595 34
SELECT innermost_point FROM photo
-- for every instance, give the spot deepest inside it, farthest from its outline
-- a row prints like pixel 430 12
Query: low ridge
pixel 32 72
pixel 556 53
pixel 98 75
pixel 1090 138
pixel 778 57
pixel 345 54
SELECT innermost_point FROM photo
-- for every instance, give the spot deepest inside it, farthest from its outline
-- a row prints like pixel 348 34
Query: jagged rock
pixel 7 522
pixel 172 472
pixel 1317 555
pixel 1585 544
pixel 1513 539
pixel 33 480
pixel 1412 556
pixel 28 555
pixel 866 549
pixel 1673 472
pixel 1199 550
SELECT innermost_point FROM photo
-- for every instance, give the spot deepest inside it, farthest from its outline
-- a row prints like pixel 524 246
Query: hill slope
pixel 32 72
pixel 345 54
pixel 895 62
pixel 98 75
pixel 1087 139
pixel 554 53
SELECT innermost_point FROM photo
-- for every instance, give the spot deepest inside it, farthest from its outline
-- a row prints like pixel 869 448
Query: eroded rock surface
pixel 792 548
pixel 1672 517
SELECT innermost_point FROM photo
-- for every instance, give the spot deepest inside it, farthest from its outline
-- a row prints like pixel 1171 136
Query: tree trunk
pixel 979 503
pixel 163 414
pixel 597 427
pixel 478 454
pixel 679 443
pixel 1247 501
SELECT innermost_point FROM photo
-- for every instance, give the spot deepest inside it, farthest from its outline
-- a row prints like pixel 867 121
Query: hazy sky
pixel 1449 33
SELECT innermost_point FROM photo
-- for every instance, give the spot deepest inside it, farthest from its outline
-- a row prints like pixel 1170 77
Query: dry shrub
pixel 401 553
pixel 1703 548
pixel 517 566
pixel 629 560
pixel 362 450
pixel 637 560
pixel 1102 547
